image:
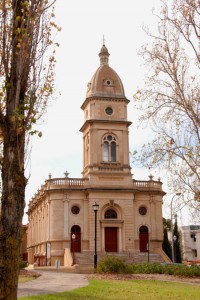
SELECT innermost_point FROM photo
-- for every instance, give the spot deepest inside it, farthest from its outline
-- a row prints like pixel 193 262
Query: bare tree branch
pixel 170 96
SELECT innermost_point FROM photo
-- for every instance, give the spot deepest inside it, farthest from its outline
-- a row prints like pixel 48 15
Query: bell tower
pixel 105 128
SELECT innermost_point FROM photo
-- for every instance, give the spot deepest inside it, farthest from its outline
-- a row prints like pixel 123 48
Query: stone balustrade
pixel 147 185
pixel 83 182
pixel 67 181
pixel 57 183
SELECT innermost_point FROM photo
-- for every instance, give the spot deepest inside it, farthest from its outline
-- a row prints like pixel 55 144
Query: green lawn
pixel 25 278
pixel 127 290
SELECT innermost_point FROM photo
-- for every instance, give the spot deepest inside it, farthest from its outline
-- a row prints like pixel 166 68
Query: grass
pixel 127 290
pixel 22 278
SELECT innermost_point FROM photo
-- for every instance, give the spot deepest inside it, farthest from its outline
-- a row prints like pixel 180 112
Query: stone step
pixel 87 259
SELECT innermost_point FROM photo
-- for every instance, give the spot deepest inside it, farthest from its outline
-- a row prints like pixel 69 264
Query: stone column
pixel 30 256
pixel 120 242
pixel 66 216
pixel 85 219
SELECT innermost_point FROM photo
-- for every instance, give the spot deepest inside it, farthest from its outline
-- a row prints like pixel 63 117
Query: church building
pixel 106 211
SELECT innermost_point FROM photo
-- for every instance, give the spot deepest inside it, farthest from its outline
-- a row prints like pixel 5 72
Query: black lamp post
pixel 95 209
pixel 73 248
pixel 148 248
pixel 174 242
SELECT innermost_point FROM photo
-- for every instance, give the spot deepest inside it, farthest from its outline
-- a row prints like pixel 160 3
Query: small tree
pixel 26 83
pixel 167 224
pixel 177 243
pixel 166 246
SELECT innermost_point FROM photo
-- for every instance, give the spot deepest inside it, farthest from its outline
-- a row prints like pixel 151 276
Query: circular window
pixel 108 82
pixel 109 138
pixel 75 210
pixel 109 111
pixel 142 210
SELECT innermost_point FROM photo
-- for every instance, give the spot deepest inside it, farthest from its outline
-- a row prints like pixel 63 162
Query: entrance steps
pixel 85 260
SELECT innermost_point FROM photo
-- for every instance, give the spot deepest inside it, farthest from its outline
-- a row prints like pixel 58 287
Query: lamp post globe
pixel 174 242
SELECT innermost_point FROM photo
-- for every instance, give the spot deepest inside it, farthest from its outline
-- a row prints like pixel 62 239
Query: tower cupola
pixel 105 128
pixel 104 55
pixel 105 81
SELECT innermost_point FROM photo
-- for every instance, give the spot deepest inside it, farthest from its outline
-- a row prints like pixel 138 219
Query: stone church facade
pixel 129 218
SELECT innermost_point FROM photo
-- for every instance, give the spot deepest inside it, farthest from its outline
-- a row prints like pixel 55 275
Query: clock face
pixel 109 111
pixel 142 210
pixel 75 210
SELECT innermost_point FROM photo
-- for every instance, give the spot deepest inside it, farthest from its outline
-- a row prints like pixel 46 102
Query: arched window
pixel 75 229
pixel 144 229
pixel 105 151
pixel 109 148
pixel 110 214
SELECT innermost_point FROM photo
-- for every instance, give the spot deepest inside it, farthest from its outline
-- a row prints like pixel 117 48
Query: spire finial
pixel 104 53
pixel 104 40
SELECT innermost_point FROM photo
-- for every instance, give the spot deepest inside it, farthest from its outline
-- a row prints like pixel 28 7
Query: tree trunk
pixel 13 187
pixel 24 37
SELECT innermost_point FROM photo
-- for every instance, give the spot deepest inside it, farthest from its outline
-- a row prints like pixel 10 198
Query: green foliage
pixel 192 271
pixel 177 246
pixel 112 264
pixel 145 268
pixel 169 269
pixel 166 246
pixel 182 270
pixel 167 223
pixel 135 152
pixel 22 263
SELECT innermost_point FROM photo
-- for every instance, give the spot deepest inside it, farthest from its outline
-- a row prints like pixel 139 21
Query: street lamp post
pixel 95 209
pixel 177 194
pixel 174 242
pixel 148 251
pixel 73 248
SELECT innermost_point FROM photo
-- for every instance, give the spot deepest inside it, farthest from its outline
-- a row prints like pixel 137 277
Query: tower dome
pixel 105 82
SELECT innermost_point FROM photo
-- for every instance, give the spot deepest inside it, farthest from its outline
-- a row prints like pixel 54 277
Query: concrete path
pixel 52 282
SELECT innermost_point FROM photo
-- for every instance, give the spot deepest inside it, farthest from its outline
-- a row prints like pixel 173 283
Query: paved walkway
pixel 52 282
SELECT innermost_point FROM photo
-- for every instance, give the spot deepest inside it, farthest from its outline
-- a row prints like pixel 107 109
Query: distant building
pixel 130 211
pixel 190 236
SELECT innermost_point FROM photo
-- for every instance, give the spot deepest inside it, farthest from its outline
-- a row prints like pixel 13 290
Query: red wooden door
pixel 144 239
pixel 76 243
pixel 111 239
pixel 75 239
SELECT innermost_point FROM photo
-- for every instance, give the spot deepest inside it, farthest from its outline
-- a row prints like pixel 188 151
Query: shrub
pixel 22 263
pixel 171 269
pixel 112 264
pixel 186 271
pixel 144 268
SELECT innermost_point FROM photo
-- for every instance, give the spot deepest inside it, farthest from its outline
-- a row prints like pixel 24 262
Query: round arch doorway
pixel 144 238
pixel 111 232
pixel 75 239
